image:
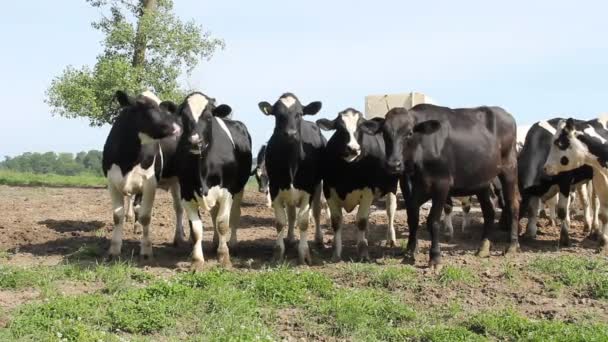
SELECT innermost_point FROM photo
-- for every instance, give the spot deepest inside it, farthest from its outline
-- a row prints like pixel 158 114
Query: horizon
pixel 537 61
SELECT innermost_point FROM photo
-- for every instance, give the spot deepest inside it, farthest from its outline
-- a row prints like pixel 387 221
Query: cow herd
pixel 204 158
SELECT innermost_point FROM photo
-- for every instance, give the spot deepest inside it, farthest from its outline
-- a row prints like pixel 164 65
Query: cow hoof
pixel 564 240
pixel 278 255
pixel 181 243
pixel 110 258
pixel 223 257
pixel 484 249
pixel 197 266
pixel 512 250
pixel 529 236
pixel 291 242
pixel 435 265
pixel 593 235
pixel 391 243
pixel 336 259
pixel 409 258
pixel 449 237
pixel 305 259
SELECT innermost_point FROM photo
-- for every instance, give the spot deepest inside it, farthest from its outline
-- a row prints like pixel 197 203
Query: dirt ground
pixel 48 225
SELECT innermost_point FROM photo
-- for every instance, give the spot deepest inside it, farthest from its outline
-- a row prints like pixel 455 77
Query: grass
pixel 359 302
pixel 13 178
pixel 586 276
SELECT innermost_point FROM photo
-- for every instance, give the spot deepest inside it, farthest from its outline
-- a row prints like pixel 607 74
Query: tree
pixel 145 47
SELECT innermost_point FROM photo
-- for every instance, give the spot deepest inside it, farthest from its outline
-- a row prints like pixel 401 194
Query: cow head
pixel 568 150
pixel 152 119
pixel 402 137
pixel 288 112
pixel 347 133
pixel 196 113
pixel 261 176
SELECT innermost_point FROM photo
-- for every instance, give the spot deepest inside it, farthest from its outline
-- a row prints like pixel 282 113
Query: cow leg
pixel 268 200
pixel 413 218
pixel 511 210
pixel 487 209
pixel 235 218
pixel 440 193
pixel 531 228
pixel 466 213
pixel 336 225
pixel 362 223
pixel 316 215
pixel 291 222
pixel 118 215
pixel 447 220
pixel 196 230
pixel 563 212
pixel 216 238
pixel 595 202
pixel 145 216
pixel 303 222
pixel 391 209
pixel 180 236
pixel 130 213
pixel 222 224
pixel 583 194
pixel 552 204
pixel 281 222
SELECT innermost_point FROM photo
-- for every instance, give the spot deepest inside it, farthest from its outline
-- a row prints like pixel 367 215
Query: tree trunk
pixel 148 7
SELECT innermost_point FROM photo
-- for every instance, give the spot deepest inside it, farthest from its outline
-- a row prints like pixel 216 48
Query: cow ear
pixel 312 108
pixel 570 125
pixel 169 106
pixel 372 126
pixel 123 98
pixel 222 111
pixel 427 127
pixel 265 107
pixel 326 124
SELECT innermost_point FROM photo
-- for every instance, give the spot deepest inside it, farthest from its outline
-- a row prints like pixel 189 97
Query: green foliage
pixel 51 180
pixel 64 164
pixel 588 276
pixel 168 46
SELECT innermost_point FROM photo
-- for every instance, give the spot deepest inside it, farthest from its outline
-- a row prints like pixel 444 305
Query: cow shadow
pixel 251 222
pixel 67 226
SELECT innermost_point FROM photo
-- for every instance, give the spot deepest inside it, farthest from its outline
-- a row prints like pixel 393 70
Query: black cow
pixel 214 158
pixel 354 174
pixel 584 143
pixel 442 152
pixel 293 157
pixel 138 156
pixel 536 186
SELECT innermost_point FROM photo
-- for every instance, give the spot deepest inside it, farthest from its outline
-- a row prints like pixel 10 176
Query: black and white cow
pixel 138 157
pixel 536 186
pixel 354 174
pixel 261 176
pixel 214 159
pixel 293 157
pixel 442 152
pixel 576 144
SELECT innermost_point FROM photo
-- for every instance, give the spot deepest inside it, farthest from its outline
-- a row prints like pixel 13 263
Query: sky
pixel 537 59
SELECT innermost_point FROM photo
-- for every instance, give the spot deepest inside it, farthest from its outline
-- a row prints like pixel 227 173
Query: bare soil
pixel 41 226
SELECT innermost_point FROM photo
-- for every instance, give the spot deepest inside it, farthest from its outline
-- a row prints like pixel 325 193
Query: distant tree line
pixel 58 163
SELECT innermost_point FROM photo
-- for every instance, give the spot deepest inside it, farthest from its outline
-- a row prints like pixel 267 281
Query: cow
pixel 293 157
pixel 354 174
pixel 138 156
pixel 583 143
pixel 535 186
pixel 261 176
pixel 441 152
pixel 214 163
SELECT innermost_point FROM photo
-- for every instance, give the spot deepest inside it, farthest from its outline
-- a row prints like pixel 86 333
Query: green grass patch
pixel 510 326
pixel 116 277
pixel 451 274
pixel 365 315
pixel 14 178
pixel 588 276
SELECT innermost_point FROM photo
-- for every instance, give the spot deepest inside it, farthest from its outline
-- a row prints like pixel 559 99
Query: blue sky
pixel 537 59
